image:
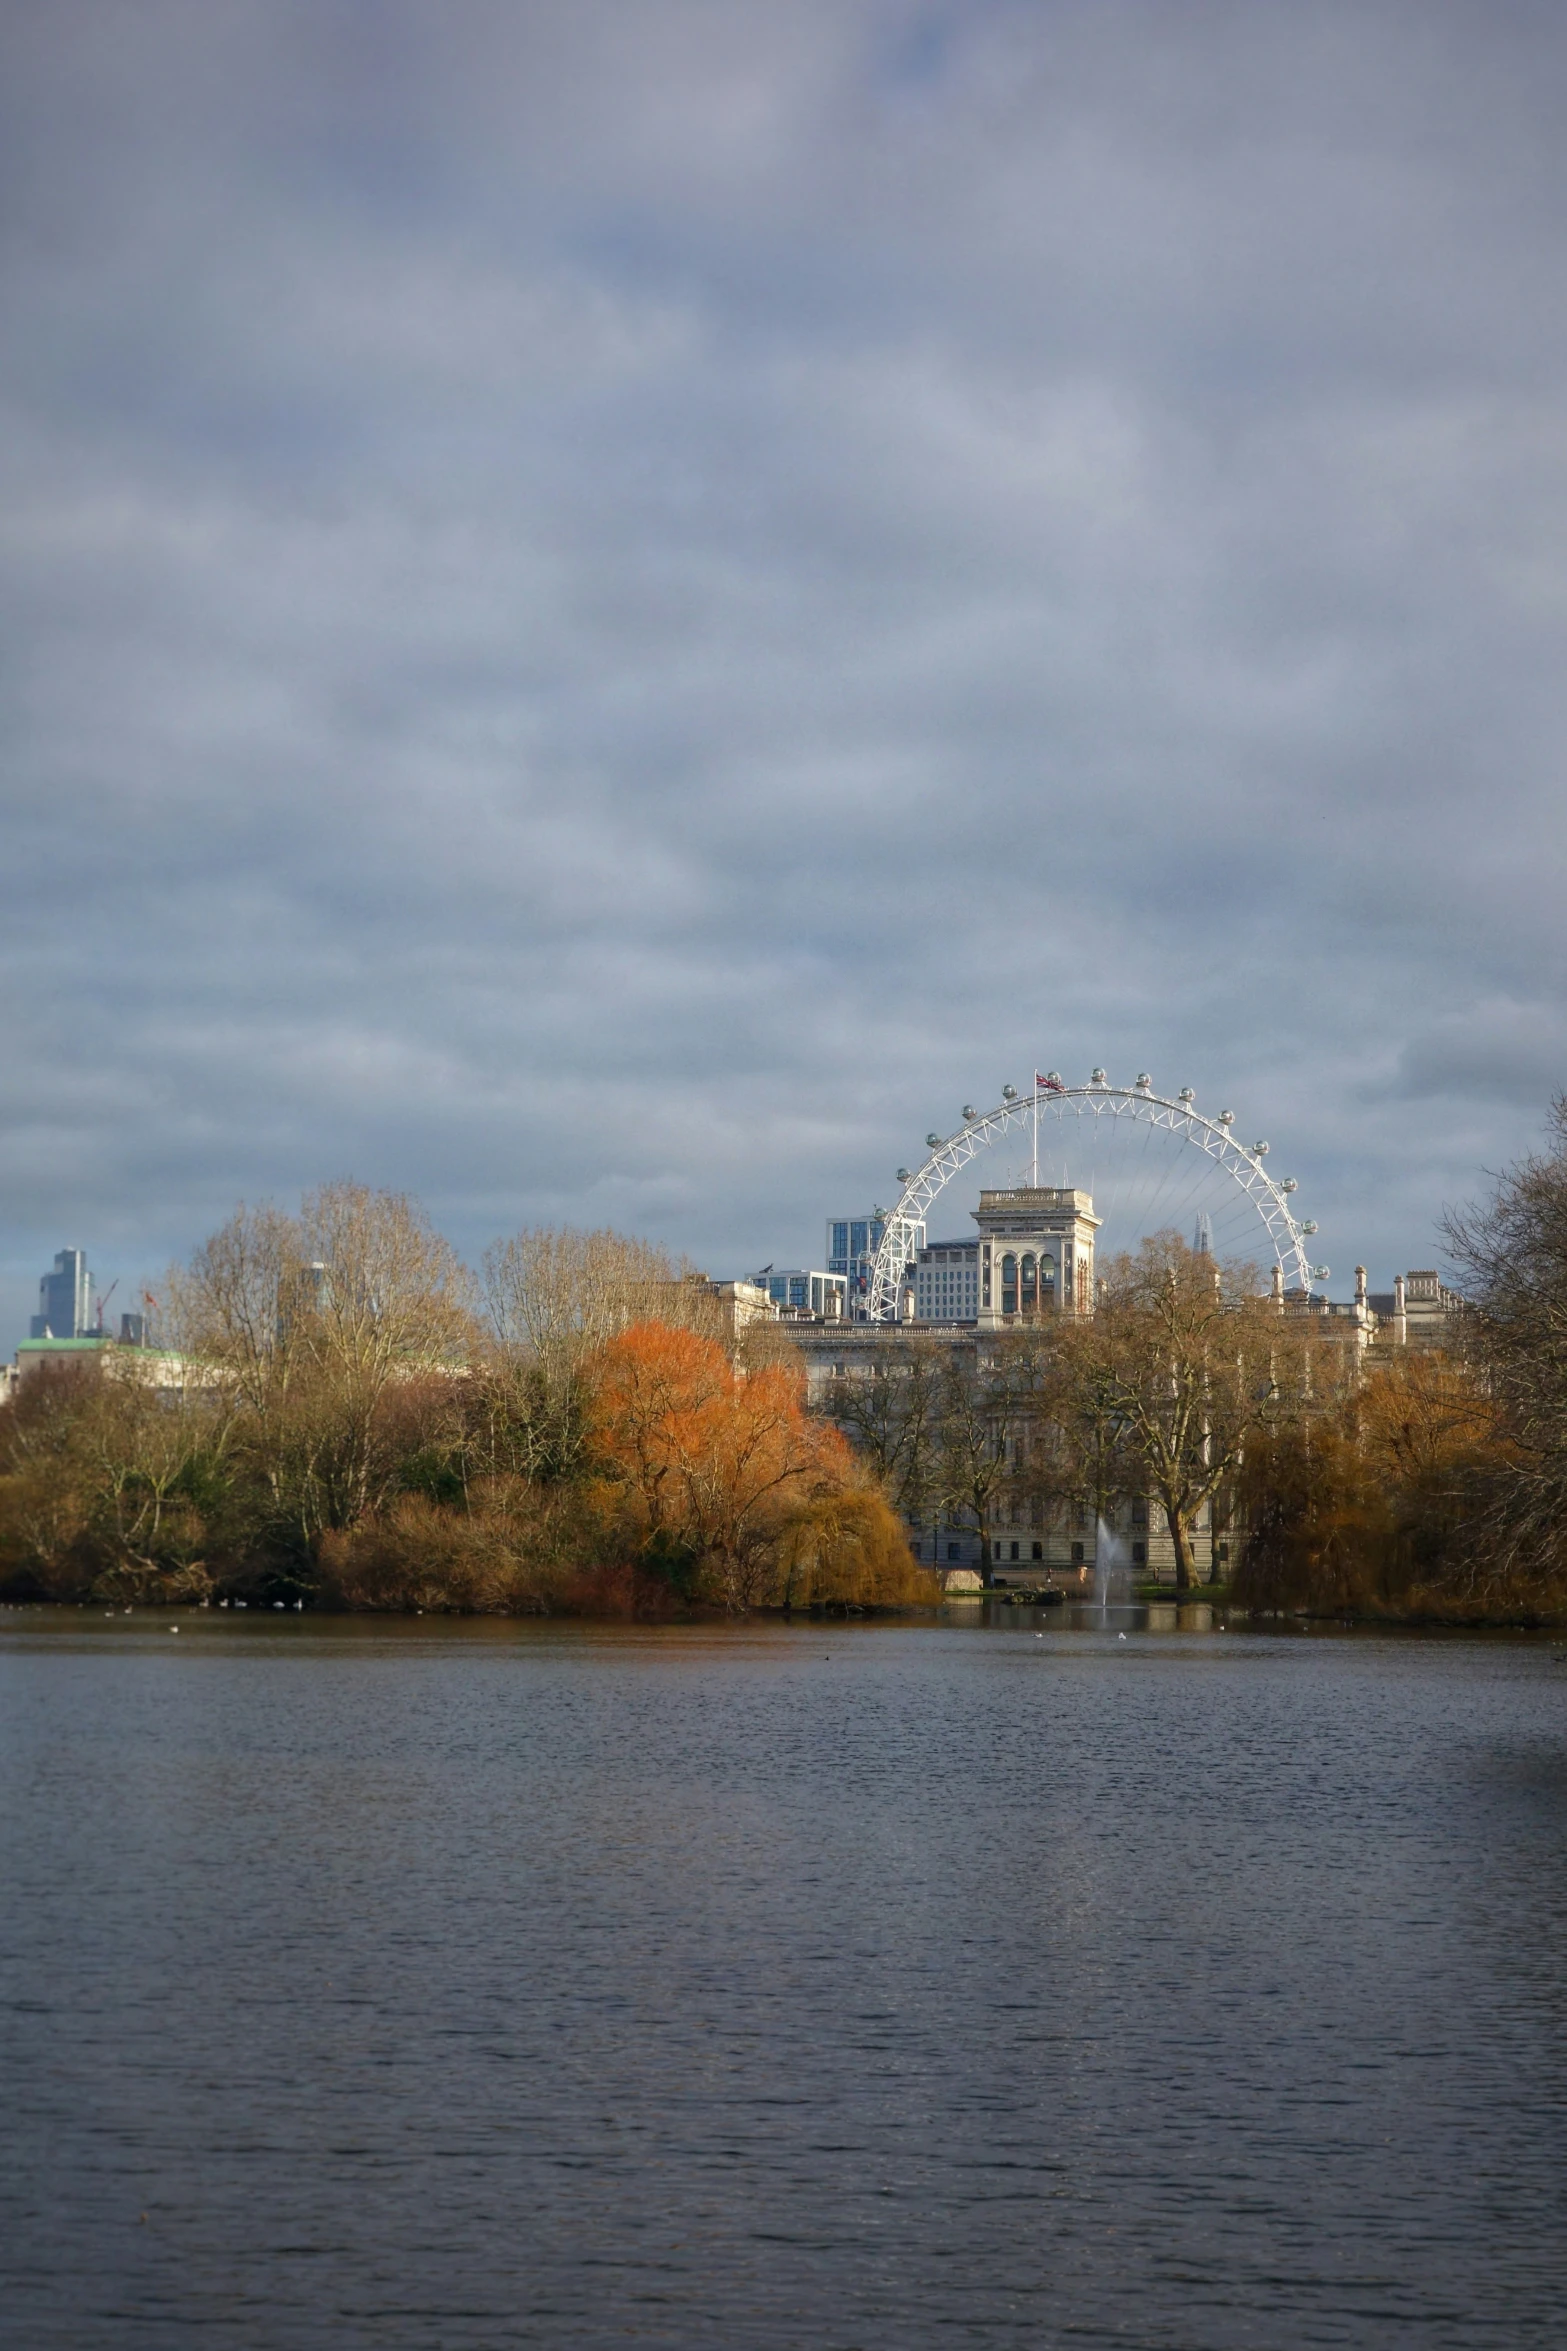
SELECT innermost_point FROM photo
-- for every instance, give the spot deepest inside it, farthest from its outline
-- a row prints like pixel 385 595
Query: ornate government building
pixel 1033 1255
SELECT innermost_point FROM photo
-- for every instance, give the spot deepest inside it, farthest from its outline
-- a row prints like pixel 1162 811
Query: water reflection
pixel 994 1613
pixel 1192 1616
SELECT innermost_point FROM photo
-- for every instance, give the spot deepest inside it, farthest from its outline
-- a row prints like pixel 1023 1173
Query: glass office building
pixel 64 1299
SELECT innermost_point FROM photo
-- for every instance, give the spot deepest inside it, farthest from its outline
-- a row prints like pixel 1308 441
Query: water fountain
pixel 1110 1560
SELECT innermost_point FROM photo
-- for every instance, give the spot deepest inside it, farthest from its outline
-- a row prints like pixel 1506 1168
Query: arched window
pixel 1030 1299
pixel 1047 1272
pixel 1009 1284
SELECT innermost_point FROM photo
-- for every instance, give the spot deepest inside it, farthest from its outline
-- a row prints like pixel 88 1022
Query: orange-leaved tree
pixel 717 1465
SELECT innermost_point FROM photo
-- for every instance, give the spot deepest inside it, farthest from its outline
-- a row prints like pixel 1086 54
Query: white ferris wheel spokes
pixel 1235 1171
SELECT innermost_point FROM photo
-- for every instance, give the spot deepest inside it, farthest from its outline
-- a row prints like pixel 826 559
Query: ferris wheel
pixel 1151 1161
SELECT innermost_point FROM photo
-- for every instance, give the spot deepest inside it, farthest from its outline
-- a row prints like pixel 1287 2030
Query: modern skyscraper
pixel 64 1299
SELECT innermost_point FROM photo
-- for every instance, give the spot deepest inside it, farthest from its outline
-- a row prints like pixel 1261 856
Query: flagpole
pixel 1036 1130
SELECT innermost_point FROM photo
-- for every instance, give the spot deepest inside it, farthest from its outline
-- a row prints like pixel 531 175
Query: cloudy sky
pixel 608 607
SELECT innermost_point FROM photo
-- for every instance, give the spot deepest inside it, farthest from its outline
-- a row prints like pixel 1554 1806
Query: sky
pixel 610 607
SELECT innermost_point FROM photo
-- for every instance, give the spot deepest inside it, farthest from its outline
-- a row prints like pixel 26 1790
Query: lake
pixel 1009 1982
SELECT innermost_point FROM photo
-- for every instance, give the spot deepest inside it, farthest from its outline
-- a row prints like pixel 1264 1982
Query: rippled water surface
pixel 462 1985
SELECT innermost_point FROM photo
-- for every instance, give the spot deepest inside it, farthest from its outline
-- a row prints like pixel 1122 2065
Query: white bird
pixel 1120 1636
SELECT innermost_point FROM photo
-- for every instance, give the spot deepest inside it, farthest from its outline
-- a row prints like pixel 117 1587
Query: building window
pixel 1014 1551
pixel 1077 1554
pixel 1039 1550
pixel 953 1550
pixel 1139 1555
pixel 1030 1298
pixel 1139 1510
pixel 1047 1272
pixel 1009 1284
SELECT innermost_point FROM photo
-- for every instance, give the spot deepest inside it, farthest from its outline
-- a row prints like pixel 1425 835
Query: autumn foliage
pixel 696 1482
pixel 343 1414
pixel 725 1475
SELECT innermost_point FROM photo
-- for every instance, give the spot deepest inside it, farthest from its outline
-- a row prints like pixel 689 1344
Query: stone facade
pixel 1030 1545
pixel 1036 1255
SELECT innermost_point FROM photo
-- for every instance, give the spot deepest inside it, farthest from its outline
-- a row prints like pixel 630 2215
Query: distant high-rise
pixel 64 1299
pixel 852 1243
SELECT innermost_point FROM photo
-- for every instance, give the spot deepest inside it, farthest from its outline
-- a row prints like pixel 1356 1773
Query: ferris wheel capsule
pixel 969 1111
pixel 903 1175
pixel 1098 1078
pixel 1188 1093
pixel 1226 1118
pixel 1009 1093
pixel 1309 1227
pixel 1289 1185
pixel 933 1140
pixel 1144 1081
pixel 1321 1273
pixel 1259 1150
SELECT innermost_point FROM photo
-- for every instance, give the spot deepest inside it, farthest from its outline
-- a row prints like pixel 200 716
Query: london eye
pixel 1152 1163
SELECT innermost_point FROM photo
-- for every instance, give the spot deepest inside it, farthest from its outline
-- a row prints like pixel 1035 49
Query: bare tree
pixel 554 1295
pixel 1189 1362
pixel 227 1312
pixel 305 1325
pixel 1511 1251
pixel 986 1429
pixel 1094 1462
pixel 553 1298
pixel 889 1413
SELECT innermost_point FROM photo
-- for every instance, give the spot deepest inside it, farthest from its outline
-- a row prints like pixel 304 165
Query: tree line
pixel 342 1411
pixel 356 1417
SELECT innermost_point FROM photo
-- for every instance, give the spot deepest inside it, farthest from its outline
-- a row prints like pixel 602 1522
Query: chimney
pixel 1278 1287
pixel 1400 1325
pixel 1360 1288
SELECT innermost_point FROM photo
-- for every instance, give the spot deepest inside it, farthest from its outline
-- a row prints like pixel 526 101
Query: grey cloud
pixel 1496 1051
pixel 611 609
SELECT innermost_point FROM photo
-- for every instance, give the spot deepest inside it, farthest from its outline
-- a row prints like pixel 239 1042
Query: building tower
pixel 1036 1255
pixel 64 1299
